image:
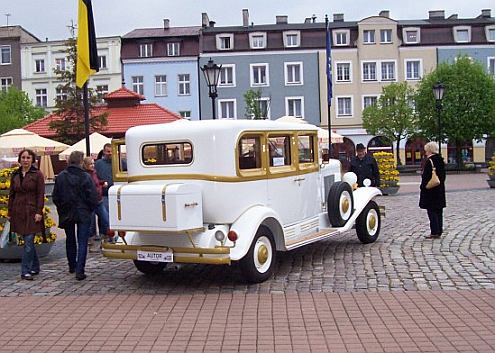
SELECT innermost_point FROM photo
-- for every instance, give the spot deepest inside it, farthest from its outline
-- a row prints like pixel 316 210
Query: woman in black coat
pixel 433 200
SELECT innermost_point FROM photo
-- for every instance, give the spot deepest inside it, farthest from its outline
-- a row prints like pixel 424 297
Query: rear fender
pixel 247 225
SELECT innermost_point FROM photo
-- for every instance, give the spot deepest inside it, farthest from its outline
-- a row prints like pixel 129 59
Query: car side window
pixel 279 148
pixel 167 153
pixel 249 150
pixel 306 150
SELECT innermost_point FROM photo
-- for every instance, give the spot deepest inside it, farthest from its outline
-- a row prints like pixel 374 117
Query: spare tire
pixel 340 203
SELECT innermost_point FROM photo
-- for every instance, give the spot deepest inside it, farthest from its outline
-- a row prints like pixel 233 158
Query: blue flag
pixel 329 64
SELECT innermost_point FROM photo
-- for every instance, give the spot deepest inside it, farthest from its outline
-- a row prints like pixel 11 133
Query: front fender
pixel 247 225
pixel 361 198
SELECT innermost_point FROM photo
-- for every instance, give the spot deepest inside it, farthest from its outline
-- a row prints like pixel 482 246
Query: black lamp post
pixel 211 72
pixel 438 90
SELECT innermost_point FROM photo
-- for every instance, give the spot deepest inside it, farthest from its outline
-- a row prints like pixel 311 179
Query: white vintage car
pixel 214 192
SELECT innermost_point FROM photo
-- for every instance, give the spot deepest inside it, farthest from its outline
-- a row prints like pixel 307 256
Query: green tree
pixel 254 108
pixel 468 104
pixel 393 116
pixel 17 110
pixel 69 106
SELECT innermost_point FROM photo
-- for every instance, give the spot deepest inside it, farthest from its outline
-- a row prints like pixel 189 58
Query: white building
pixel 39 60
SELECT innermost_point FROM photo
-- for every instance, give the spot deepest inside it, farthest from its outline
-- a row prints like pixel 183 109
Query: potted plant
pixel 491 172
pixel 13 249
pixel 389 175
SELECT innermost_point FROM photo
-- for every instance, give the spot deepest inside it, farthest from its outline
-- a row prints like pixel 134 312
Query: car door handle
pixel 299 179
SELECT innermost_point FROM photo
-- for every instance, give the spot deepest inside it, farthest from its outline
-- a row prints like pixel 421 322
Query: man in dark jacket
pixel 74 194
pixel 365 167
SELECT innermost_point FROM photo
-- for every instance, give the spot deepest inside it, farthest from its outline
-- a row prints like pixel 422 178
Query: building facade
pixel 39 60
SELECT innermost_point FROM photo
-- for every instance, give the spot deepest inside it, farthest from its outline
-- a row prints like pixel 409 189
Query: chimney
pixel 166 23
pixel 307 20
pixel 338 17
pixel 211 23
pixel 204 20
pixel 245 17
pixel 281 19
pixel 384 13
pixel 453 17
pixel 486 13
pixel 436 15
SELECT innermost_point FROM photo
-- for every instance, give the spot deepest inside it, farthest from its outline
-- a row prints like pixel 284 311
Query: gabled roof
pixel 120 118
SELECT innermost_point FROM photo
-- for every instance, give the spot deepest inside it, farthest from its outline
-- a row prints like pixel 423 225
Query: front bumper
pixel 194 255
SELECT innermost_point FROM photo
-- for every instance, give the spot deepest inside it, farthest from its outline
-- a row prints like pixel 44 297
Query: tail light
pixel 232 235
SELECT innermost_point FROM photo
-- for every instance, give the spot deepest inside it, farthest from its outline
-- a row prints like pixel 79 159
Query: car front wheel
pixel 368 223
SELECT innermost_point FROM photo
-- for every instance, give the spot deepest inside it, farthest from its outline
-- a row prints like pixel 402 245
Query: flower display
pixel 491 166
pixel 16 239
pixel 389 175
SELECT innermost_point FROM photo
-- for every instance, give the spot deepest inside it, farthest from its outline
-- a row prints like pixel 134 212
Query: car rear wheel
pixel 340 203
pixel 150 268
pixel 257 266
pixel 368 223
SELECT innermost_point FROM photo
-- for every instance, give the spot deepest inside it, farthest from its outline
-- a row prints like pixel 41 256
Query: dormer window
pixel 145 50
pixel 411 35
pixel 257 40
pixel 341 37
pixel 462 34
pixel 173 49
pixel 292 39
pixel 490 33
pixel 385 36
pixel 369 36
pixel 225 41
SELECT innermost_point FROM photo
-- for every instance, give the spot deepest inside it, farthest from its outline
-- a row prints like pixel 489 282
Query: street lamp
pixel 211 72
pixel 438 90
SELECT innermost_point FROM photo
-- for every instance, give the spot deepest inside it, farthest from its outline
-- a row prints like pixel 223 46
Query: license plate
pixel 154 256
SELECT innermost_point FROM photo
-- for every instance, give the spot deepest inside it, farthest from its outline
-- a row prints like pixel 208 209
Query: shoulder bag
pixel 434 181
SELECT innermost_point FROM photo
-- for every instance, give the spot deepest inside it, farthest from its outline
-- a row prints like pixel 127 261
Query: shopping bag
pixel 434 181
pixel 4 238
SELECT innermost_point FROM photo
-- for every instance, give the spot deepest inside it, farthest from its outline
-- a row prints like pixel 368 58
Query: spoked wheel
pixel 257 266
pixel 150 268
pixel 368 223
pixel 340 203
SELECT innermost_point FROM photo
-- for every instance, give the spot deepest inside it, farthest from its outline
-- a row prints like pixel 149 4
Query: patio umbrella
pixel 96 143
pixel 46 167
pixel 12 142
pixel 322 133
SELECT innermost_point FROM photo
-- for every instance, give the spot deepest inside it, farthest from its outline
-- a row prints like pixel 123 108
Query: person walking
pixel 74 195
pixel 433 200
pixel 25 209
pixel 365 167
pixel 101 212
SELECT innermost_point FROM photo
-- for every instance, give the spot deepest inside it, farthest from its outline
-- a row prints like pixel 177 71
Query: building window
pixel 184 84
pixel 5 83
pixel 60 94
pixel 160 85
pixel 227 76
pixel 369 71
pixel 101 90
pixel 462 34
pixel 60 64
pixel 341 37
pixel 138 84
pixel 386 36
pixel 369 101
pixel 491 66
pixel 264 106
pixel 185 114
pixel 293 73
pixel 343 71
pixel 257 40
pixel 173 49
pixel 225 41
pixel 227 108
pixel 5 57
pixel 145 50
pixel 41 97
pixel 413 69
pixel 39 65
pixel 291 39
pixel 369 36
pixel 344 106
pixel 490 33
pixel 102 61
pixel 294 106
pixel 388 70
pixel 259 75
pixel 411 35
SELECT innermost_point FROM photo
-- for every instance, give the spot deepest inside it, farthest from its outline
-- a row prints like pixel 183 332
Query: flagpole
pixel 328 44
pixel 86 117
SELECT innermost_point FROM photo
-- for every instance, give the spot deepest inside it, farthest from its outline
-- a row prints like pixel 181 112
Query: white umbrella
pixel 322 133
pixel 96 143
pixel 12 142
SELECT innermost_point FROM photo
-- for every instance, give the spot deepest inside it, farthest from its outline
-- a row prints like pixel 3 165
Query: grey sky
pixel 50 18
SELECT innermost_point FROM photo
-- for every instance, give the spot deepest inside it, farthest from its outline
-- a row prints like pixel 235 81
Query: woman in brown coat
pixel 26 201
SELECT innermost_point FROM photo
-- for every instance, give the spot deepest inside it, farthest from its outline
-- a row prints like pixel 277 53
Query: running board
pixel 311 238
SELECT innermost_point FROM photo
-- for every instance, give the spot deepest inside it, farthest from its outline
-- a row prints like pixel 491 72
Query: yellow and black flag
pixel 87 55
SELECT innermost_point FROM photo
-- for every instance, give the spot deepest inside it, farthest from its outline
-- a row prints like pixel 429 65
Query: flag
pixel 87 55
pixel 329 63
